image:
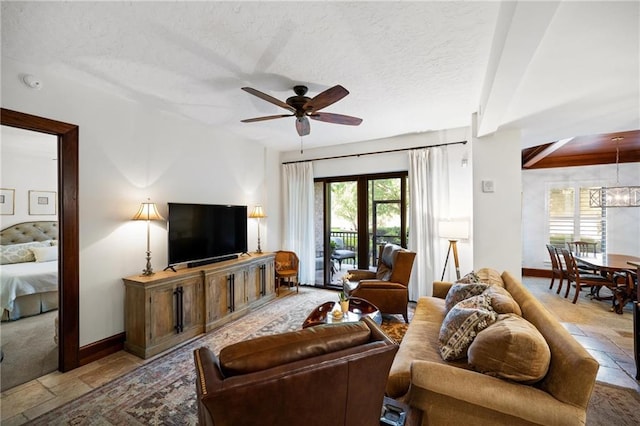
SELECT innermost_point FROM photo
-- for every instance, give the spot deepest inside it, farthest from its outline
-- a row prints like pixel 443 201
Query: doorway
pixel 68 269
pixel 354 216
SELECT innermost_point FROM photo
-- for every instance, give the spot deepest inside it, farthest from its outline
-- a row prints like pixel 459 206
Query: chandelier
pixel 615 196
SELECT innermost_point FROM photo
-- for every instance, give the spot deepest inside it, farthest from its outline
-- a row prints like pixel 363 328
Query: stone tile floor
pixel 606 335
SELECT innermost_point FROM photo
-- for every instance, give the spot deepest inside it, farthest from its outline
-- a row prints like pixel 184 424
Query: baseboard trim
pixel 96 350
pixel 540 273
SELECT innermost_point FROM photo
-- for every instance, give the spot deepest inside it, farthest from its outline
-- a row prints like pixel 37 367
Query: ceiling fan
pixel 302 107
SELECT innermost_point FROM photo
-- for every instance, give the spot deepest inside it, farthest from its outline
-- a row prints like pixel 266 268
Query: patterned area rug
pixel 163 392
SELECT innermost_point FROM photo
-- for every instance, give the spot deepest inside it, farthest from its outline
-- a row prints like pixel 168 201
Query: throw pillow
pixel 387 259
pixel 512 349
pixel 461 325
pixel 20 253
pixel 45 254
pixel 459 292
pixel 470 278
pixel 501 301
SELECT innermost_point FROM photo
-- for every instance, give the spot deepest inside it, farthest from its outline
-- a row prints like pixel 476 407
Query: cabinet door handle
pixel 177 293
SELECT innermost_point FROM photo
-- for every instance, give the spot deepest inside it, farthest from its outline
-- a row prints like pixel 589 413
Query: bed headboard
pixel 27 232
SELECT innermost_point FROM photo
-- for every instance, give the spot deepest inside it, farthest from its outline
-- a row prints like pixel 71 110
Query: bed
pixel 28 269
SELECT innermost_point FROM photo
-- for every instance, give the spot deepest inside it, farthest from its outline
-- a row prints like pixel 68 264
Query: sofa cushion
pixel 501 301
pixel 419 343
pixel 459 292
pixel 512 348
pixel 266 352
pixel 462 323
pixel 490 276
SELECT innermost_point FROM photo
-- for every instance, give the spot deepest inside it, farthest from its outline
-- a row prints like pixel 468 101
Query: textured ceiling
pixel 550 70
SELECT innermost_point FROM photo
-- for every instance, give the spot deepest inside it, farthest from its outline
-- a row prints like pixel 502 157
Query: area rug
pixel 162 392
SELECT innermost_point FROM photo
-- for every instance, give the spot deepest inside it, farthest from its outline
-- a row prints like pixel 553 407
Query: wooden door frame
pixel 68 265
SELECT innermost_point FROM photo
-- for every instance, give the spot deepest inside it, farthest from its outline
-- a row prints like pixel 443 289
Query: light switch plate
pixel 487 186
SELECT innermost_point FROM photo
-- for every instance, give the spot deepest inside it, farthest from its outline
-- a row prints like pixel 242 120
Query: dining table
pixel 610 263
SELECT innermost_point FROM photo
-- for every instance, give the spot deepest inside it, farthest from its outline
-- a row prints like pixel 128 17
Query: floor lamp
pixel 148 211
pixel 453 230
pixel 258 213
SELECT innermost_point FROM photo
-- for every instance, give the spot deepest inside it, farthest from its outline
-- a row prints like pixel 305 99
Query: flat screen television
pixel 204 233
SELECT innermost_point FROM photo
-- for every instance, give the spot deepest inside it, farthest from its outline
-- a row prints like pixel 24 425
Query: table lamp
pixel 258 213
pixel 148 211
pixel 453 230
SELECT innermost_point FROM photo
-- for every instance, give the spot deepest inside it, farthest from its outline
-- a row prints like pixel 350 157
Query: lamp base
pixel 148 270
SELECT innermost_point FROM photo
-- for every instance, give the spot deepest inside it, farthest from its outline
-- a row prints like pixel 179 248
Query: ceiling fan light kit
pixel 302 107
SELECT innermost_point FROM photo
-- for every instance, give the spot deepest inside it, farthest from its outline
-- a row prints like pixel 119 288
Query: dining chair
pixel 556 268
pixel 583 248
pixel 581 278
pixel 624 288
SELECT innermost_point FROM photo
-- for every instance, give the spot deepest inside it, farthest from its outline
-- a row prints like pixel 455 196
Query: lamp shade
pixel 257 212
pixel 453 229
pixel 148 211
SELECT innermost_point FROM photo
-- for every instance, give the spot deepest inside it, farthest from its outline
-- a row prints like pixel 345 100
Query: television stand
pixel 170 267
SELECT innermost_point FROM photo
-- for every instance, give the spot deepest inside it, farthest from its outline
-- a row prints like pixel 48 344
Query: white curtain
pixel 297 193
pixel 429 201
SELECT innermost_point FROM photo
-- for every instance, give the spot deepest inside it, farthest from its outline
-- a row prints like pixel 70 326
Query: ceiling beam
pixel 520 28
pixel 545 152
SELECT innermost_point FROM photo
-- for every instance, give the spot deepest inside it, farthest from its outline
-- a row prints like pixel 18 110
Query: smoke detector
pixel 32 82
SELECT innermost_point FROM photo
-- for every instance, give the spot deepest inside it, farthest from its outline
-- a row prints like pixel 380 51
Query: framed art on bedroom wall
pixel 7 201
pixel 42 202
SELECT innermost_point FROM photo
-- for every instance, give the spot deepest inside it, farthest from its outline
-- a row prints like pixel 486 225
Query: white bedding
pixel 21 279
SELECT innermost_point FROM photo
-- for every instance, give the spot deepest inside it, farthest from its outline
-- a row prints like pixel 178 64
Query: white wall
pixel 126 154
pixel 497 215
pixel 24 172
pixel 459 177
pixel 623 224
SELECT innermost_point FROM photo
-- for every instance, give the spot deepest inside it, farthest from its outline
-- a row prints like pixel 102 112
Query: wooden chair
pixel 582 248
pixel 556 267
pixel 624 288
pixel 581 278
pixel 287 266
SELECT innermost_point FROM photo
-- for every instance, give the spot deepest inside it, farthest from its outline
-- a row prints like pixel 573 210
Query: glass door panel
pixel 343 228
pixel 386 215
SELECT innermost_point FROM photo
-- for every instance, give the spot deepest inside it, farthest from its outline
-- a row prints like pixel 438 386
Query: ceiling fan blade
pixel 268 117
pixel 336 118
pixel 302 126
pixel 268 98
pixel 326 98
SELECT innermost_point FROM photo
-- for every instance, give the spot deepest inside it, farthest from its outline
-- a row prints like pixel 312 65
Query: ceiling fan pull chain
pixel 301 150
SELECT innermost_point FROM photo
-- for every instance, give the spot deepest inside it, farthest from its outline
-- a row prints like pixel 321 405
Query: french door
pixel 354 216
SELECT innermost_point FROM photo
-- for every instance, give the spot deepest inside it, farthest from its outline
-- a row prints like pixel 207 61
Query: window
pixel 572 219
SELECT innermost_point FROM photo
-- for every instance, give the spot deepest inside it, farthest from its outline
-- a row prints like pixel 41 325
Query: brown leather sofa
pixel 330 374
pixel 387 287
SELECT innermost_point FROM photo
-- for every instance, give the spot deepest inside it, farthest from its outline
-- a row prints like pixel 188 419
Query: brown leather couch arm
pixel 380 285
pixel 361 274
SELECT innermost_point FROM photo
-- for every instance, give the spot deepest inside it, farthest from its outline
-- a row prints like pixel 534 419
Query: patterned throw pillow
pixel 471 278
pixel 460 292
pixel 462 324
pixel 20 253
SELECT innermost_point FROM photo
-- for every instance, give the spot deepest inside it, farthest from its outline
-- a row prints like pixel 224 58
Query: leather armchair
pixel 330 374
pixel 387 287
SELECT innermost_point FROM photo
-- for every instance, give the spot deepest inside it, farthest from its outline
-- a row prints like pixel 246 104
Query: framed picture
pixel 42 202
pixel 7 201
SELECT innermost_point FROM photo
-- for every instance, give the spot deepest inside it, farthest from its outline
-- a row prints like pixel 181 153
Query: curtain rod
pixel 375 152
